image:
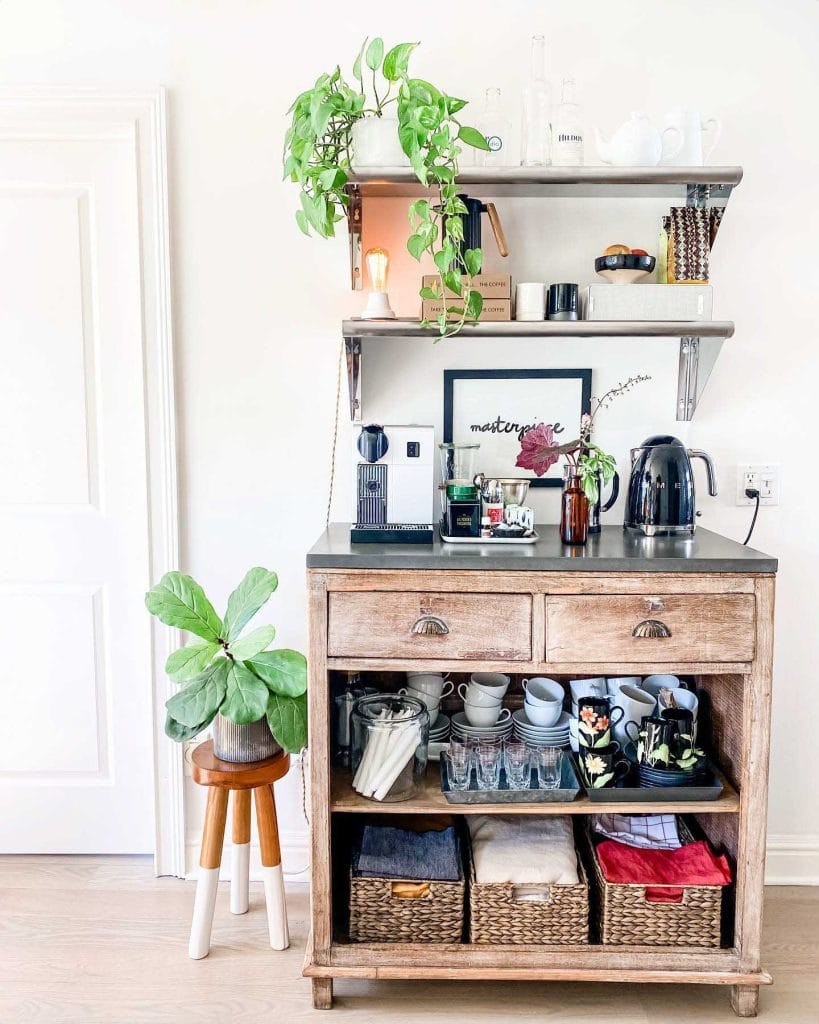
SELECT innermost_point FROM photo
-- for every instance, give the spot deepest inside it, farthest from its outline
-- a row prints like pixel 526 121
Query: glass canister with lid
pixel 390 738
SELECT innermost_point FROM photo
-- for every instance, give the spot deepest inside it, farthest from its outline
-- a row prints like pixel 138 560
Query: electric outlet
pixel 765 478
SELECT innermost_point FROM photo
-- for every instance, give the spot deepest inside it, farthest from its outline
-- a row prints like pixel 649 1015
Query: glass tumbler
pixel 390 737
pixel 489 758
pixel 518 764
pixel 549 764
pixel 458 768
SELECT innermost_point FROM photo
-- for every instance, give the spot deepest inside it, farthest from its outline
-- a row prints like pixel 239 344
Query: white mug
pixel 432 704
pixel 486 717
pixel 574 742
pixel 431 682
pixel 543 714
pixel 480 698
pixel 542 690
pixel 493 683
pixel 636 704
pixel 693 152
pixel 653 684
pixel 613 683
pixel 530 301
pixel 595 687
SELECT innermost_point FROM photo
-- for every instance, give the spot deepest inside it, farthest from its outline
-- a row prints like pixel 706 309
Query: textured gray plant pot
pixel 243 743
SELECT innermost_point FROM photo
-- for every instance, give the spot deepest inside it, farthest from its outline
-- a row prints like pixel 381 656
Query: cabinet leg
pixel 745 1000
pixel 322 993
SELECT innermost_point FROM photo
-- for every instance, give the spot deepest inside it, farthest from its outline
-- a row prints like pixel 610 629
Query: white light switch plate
pixel 765 477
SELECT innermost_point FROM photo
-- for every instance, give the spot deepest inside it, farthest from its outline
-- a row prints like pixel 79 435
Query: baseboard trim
pixel 792 860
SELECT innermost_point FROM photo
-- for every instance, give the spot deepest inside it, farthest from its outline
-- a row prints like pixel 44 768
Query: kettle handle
pixel 694 453
pixel 615 491
pixel 497 229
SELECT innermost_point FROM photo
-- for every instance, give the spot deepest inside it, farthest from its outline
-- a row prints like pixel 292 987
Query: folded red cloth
pixel 662 872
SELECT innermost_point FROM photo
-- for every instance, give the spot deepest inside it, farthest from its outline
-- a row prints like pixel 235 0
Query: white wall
pixel 257 305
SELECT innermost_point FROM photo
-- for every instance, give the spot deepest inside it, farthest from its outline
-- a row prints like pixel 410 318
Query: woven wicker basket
pixel 624 917
pixel 557 916
pixel 377 914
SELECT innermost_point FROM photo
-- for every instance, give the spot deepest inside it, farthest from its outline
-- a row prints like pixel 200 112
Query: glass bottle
pixel 567 133
pixel 574 512
pixel 497 128
pixel 537 110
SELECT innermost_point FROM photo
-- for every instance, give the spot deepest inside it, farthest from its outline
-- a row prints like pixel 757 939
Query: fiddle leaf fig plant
pixel 225 670
pixel 317 157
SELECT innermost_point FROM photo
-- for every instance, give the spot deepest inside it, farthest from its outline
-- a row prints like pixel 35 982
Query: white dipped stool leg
pixel 207 884
pixel 240 856
pixel 272 867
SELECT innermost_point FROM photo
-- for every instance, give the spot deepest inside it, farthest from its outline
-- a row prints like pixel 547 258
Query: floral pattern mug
pixel 595 718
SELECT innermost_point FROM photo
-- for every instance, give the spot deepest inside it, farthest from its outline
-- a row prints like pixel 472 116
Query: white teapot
pixel 637 143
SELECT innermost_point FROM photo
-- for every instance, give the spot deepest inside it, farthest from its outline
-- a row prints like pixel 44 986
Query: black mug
pixel 657 741
pixel 686 730
pixel 602 767
pixel 595 717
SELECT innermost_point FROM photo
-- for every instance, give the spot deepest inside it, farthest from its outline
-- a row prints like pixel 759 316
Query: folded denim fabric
pixel 388 852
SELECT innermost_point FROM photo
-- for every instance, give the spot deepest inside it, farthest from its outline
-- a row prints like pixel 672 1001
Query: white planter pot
pixel 375 144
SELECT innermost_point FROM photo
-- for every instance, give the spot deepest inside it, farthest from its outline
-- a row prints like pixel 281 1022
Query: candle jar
pixel 574 511
pixel 390 738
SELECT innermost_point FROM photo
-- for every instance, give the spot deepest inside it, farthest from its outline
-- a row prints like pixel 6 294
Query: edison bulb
pixel 378 303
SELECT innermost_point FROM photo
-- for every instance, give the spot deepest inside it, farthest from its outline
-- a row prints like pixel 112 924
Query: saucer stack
pixel 463 730
pixel 439 732
pixel 556 735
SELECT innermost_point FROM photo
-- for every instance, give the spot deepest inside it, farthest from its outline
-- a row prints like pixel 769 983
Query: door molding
pixel 71 112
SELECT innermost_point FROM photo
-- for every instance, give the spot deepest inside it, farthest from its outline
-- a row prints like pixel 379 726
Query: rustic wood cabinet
pixel 531 616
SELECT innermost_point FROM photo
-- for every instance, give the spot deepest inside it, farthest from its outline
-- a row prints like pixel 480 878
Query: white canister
pixel 530 301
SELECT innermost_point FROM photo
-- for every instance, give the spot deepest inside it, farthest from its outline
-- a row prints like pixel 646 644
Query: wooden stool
pixel 221 777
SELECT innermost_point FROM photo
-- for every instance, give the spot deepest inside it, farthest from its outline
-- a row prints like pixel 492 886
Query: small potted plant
pixel 255 697
pixel 336 125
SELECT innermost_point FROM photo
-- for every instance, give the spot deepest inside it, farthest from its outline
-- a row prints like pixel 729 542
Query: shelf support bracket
pixel 352 352
pixel 355 213
pixel 697 359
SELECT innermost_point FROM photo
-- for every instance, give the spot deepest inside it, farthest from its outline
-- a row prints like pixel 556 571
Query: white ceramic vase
pixel 375 144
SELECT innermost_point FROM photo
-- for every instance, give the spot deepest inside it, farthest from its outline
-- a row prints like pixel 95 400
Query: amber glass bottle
pixel 574 512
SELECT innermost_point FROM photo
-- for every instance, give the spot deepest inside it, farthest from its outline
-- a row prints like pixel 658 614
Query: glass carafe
pixel 497 128
pixel 537 110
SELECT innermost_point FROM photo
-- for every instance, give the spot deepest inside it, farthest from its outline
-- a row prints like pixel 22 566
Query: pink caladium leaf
pixel 538 449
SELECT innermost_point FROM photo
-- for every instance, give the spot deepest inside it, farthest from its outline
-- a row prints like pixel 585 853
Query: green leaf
pixel 176 731
pixel 600 782
pixel 246 699
pixel 397 61
pixel 284 671
pixel 191 660
pixel 249 646
pixel 452 279
pixel 453 105
pixel 301 220
pixel 474 304
pixel 442 260
pixel 179 601
pixel 429 293
pixel 247 599
pixel 472 137
pixel 201 698
pixel 287 718
pixel 415 246
pixel 374 54
pixel 357 62
pixel 473 259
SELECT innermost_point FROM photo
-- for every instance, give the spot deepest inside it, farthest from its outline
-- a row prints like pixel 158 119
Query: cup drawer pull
pixel 651 629
pixel 430 625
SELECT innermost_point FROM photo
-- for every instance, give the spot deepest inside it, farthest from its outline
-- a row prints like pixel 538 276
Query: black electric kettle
pixel 475 208
pixel 661 496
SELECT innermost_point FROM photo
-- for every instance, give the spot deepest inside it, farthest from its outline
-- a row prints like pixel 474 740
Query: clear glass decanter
pixel 537 110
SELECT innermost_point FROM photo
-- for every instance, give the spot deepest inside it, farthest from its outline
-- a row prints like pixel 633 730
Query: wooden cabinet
pixel 715 628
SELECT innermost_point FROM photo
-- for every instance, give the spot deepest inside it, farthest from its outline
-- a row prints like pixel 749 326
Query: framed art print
pixel 497 407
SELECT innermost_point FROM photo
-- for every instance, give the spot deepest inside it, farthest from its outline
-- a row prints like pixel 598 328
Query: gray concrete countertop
pixel 613 550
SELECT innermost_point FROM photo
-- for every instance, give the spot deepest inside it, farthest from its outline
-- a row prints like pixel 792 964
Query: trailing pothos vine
pixel 317 157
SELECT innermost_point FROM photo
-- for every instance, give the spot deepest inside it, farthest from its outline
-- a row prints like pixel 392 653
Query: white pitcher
pixel 695 150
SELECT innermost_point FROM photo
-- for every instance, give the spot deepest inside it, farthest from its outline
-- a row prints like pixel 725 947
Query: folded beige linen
pixel 523 848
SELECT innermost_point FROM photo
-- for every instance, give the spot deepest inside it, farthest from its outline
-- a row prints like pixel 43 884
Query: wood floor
pixel 101 941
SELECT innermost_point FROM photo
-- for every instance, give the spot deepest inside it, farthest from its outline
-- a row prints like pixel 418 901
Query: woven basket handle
pixel 673 894
pixel 409 890
pixel 532 893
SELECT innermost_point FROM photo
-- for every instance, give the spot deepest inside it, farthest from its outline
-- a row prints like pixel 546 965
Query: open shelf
pixel 431 800
pixel 410 327
pixel 568 182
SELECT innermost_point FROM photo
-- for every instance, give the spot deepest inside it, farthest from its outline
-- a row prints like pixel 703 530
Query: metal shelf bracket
pixel 697 359
pixel 355 212
pixel 352 352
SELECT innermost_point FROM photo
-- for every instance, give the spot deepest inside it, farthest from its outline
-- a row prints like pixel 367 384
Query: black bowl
pixel 625 261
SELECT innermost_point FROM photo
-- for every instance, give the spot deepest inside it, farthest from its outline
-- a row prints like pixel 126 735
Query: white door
pixel 76 750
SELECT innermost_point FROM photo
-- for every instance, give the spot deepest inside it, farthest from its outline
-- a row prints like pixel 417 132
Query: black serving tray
pixel 629 790
pixel 567 791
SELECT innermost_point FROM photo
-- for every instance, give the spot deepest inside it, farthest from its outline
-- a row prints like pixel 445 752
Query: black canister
pixel 562 304
pixel 463 511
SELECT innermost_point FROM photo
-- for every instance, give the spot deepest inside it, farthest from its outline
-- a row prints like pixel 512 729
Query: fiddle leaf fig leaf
pixel 246 698
pixel 250 645
pixel 176 731
pixel 191 660
pixel 285 672
pixel 179 601
pixel 201 697
pixel 247 599
pixel 287 718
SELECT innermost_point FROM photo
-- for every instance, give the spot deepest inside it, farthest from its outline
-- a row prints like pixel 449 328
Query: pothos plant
pixel 539 452
pixel 226 670
pixel 317 157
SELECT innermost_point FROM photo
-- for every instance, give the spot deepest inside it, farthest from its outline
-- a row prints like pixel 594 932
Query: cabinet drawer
pixel 473 626
pixel 692 627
